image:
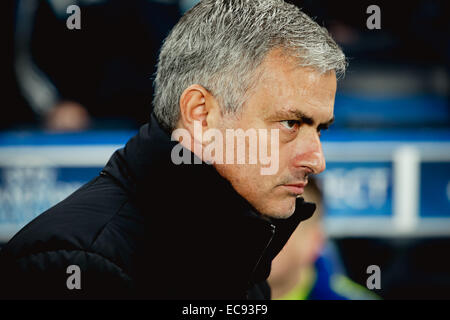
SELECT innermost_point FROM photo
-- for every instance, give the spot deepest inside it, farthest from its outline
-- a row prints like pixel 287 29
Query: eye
pixel 290 124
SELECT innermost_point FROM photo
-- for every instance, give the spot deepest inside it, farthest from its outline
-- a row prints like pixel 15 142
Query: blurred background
pixel 72 97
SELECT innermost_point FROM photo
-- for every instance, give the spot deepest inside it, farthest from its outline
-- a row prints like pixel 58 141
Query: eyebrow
pixel 299 115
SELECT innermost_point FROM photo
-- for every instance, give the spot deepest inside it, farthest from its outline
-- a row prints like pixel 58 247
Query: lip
pixel 297 188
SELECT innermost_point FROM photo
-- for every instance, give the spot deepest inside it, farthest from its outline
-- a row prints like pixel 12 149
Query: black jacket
pixel 147 228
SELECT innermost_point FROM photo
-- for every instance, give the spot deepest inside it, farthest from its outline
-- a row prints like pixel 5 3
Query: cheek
pixel 286 157
pixel 256 183
pixel 256 188
pixel 246 179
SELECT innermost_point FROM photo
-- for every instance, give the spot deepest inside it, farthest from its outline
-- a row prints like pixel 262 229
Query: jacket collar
pixel 146 159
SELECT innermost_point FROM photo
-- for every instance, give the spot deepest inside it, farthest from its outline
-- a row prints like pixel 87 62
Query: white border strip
pixel 383 151
pixel 338 227
pixel 406 189
pixel 63 156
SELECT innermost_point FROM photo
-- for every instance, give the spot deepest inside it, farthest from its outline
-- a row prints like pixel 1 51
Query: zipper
pixel 272 229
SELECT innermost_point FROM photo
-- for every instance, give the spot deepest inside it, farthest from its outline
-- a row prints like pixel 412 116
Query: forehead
pixel 283 84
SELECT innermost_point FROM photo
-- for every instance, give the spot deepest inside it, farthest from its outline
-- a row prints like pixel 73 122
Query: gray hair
pixel 219 44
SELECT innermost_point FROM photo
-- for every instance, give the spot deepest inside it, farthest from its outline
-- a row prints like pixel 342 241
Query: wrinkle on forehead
pixel 292 78
pixel 282 84
pixel 309 94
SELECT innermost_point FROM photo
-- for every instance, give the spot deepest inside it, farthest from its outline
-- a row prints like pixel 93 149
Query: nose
pixel 309 151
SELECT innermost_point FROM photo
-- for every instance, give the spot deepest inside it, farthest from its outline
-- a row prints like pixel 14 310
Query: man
pixel 151 226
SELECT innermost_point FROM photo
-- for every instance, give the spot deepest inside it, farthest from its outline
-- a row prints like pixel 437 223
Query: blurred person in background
pixel 98 76
pixel 307 268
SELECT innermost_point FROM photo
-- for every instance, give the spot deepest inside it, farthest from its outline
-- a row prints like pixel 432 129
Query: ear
pixel 198 105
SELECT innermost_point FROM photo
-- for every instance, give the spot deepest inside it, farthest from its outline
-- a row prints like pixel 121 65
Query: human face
pixel 299 102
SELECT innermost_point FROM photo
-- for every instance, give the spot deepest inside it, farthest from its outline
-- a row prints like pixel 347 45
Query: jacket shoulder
pixel 62 274
pixel 92 223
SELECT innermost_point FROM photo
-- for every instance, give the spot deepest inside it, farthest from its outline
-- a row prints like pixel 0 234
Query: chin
pixel 282 211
